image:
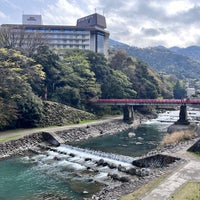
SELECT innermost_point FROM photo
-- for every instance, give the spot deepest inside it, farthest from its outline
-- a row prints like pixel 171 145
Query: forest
pixel 71 77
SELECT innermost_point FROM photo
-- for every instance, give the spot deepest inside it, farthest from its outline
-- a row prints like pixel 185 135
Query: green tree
pixel 179 91
pixel 52 68
pixel 78 78
pixel 145 81
pixel 18 74
pixel 114 83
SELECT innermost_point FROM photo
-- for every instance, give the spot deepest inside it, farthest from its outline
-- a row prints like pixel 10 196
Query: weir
pixel 98 166
pixel 52 138
pixel 96 155
pixel 93 165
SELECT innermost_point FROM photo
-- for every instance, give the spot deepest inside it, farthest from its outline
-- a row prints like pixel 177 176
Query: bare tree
pixel 20 38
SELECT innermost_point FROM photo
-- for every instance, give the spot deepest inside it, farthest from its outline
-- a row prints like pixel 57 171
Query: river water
pixel 55 173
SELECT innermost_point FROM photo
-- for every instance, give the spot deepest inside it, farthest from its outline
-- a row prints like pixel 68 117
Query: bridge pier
pixel 183 120
pixel 128 115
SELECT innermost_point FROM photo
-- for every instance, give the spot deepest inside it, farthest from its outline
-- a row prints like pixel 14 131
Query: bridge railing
pixel 146 101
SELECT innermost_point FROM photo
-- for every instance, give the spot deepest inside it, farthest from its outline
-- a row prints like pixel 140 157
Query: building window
pixel 100 42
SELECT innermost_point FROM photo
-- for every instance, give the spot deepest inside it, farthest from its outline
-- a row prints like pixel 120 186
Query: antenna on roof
pixel 95 10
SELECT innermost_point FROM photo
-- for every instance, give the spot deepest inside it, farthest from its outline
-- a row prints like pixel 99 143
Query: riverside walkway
pixel 189 172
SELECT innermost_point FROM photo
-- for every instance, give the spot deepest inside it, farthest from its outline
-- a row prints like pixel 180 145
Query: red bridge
pixel 174 102
pixel 129 103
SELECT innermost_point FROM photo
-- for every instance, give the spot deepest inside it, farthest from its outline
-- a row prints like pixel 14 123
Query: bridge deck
pixel 173 102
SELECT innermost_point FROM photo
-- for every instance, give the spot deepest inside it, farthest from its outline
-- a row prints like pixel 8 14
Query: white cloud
pixel 178 6
pixel 2 15
pixel 137 22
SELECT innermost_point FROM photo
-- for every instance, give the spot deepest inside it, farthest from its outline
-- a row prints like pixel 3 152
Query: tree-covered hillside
pixel 192 52
pixel 70 77
pixel 164 60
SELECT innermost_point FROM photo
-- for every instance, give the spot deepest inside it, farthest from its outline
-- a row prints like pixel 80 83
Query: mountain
pixel 192 52
pixel 175 61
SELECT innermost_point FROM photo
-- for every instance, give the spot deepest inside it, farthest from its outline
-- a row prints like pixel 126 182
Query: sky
pixel 139 23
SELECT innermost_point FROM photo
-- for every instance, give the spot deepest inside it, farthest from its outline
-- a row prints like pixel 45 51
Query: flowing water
pixel 69 171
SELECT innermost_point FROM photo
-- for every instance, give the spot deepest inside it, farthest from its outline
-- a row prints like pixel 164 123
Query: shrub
pixel 178 136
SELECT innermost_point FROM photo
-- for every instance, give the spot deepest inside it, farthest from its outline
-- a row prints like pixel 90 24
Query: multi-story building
pixel 89 33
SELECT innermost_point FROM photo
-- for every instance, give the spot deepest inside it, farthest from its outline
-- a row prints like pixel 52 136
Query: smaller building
pixel 190 92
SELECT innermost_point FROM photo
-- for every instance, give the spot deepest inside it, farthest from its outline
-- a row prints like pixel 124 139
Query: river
pixel 55 173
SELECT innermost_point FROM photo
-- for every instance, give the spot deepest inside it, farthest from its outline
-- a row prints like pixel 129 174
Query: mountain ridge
pixel 181 62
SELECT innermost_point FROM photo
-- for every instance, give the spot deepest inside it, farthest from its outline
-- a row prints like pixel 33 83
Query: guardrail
pixel 145 101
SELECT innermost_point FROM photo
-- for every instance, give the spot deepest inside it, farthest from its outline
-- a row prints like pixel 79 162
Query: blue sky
pixel 141 23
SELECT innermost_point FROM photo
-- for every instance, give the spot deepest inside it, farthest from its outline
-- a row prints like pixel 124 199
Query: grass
pixel 195 154
pixel 6 139
pixel 178 136
pixel 136 195
pixel 189 191
pixel 88 121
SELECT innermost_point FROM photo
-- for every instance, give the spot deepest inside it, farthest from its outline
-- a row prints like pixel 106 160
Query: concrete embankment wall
pixel 21 145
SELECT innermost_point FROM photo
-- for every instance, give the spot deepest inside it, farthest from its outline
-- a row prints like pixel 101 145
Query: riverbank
pixel 30 138
pixel 120 192
pixel 81 132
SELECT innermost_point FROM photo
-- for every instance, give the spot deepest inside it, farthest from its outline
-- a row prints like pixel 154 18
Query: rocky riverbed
pixel 114 192
pixel 118 188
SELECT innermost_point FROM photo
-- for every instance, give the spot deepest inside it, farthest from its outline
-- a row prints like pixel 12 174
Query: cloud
pixel 135 22
pixel 66 12
pixel 150 31
pixel 2 15
pixel 158 21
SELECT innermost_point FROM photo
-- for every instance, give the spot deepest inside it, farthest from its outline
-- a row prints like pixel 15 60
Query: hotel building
pixel 89 33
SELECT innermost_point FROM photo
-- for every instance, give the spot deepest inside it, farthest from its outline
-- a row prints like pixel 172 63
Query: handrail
pixel 145 101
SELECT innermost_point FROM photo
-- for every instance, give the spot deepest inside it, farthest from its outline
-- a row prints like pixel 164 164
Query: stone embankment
pixel 20 146
pixel 56 114
pixel 68 135
pixel 83 133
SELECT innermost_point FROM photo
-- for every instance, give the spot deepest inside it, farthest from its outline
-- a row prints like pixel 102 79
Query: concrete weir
pixel 155 161
pixel 52 138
